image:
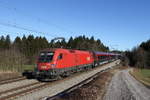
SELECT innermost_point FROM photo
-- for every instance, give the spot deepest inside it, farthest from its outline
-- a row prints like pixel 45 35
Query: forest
pixel 23 51
pixel 139 56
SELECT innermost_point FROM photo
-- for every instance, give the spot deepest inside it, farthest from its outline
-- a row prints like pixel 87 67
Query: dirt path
pixel 124 87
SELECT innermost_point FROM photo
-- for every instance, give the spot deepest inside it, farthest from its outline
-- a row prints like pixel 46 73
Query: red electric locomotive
pixel 58 62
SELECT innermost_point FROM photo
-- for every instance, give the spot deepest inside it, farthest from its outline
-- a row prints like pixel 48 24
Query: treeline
pixel 23 51
pixel 140 56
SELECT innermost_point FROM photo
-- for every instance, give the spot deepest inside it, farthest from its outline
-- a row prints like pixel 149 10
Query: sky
pixel 119 24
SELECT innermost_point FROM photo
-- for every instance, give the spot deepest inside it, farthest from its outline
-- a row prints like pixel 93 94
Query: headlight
pixel 43 67
pixel 53 65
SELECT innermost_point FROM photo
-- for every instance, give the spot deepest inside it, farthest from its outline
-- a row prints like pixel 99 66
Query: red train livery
pixel 54 63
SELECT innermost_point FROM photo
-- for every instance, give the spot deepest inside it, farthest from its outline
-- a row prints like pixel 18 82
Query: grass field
pixel 28 67
pixel 7 72
pixel 16 68
pixel 143 75
pixel 145 72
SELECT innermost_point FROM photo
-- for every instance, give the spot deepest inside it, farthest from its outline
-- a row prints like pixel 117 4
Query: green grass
pixel 16 68
pixel 143 75
pixel 28 67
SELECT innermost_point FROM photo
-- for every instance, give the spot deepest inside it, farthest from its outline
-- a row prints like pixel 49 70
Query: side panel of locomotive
pixel 69 58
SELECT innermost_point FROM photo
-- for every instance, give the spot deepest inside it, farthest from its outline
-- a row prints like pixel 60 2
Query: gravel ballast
pixel 8 86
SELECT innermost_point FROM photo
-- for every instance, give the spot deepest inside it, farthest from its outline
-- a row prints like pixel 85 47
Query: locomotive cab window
pixel 60 56
pixel 46 56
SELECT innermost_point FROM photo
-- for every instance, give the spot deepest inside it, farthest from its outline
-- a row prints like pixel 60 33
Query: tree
pixel 70 43
pixel 147 59
pixel 140 56
pixel 92 40
pixel 7 42
pixel 18 43
pixel 2 42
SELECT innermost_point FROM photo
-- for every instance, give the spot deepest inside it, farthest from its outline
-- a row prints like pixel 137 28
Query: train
pixel 55 63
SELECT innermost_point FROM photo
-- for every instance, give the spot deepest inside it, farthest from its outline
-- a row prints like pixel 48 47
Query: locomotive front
pixel 45 60
pixel 46 65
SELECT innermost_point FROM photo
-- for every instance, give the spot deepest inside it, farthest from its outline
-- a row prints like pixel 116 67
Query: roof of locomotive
pixel 62 49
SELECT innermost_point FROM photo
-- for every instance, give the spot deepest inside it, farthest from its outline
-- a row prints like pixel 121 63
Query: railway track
pixel 12 80
pixel 75 86
pixel 39 90
pixel 23 90
pixel 14 92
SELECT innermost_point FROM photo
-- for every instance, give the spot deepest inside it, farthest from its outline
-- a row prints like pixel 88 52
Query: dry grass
pixel 8 75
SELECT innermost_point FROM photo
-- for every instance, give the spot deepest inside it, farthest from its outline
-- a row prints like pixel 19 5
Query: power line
pixel 39 19
pixel 22 28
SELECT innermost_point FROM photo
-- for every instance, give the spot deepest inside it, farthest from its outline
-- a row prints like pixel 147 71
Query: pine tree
pixel 7 42
pixel 18 43
pixel 2 42
pixel 70 43
pixel 24 45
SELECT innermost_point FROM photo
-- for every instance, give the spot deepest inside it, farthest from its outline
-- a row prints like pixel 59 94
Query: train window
pixel 42 54
pixel 60 56
pixel 49 56
pixel 99 57
pixel 46 56
pixel 50 53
